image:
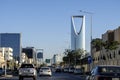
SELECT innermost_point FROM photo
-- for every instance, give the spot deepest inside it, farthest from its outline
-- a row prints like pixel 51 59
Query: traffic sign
pixel 89 59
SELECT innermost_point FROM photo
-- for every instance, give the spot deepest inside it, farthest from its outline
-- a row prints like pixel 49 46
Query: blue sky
pixel 46 23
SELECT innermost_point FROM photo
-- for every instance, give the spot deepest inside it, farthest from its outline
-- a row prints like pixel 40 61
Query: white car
pixel 45 71
pixel 77 71
pixel 71 70
pixel 66 70
pixel 27 70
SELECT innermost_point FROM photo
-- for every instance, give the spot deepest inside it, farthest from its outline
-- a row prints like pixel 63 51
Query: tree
pixel 97 43
pixel 111 45
pixel 73 57
pixel 65 59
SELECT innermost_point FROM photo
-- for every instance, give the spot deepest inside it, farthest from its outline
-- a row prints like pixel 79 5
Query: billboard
pixel 47 60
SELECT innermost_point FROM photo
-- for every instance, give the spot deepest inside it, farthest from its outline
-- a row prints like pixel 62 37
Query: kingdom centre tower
pixel 78 38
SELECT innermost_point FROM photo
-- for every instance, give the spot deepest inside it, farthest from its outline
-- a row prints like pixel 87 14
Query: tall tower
pixel 78 38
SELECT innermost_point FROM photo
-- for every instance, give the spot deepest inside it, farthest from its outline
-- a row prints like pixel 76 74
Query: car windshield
pixel 109 69
pixel 27 66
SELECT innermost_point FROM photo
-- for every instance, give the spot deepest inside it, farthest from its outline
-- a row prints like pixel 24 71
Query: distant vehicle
pixel 2 71
pixel 58 69
pixel 45 71
pixel 66 69
pixel 71 70
pixel 105 72
pixel 77 71
pixel 27 70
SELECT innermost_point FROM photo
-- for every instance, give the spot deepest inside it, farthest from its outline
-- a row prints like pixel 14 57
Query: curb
pixel 3 76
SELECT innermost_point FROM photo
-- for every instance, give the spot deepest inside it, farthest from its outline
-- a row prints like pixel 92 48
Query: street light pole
pixel 90 13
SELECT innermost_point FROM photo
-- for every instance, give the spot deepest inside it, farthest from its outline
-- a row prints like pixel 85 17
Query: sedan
pixel 2 71
pixel 77 71
pixel 45 71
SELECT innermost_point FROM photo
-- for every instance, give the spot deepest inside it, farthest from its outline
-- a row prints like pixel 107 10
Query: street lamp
pixel 90 13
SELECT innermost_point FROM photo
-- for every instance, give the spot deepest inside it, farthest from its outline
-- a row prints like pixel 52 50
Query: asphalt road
pixel 55 76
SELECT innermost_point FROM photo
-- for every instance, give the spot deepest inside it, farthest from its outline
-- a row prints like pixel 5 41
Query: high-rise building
pixel 78 38
pixel 30 52
pixel 12 40
pixel 57 58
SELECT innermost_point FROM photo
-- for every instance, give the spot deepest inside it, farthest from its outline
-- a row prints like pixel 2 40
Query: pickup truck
pixel 27 70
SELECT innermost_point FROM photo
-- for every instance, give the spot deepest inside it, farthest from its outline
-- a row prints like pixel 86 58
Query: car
pixel 105 72
pixel 77 71
pixel 66 70
pixel 58 69
pixel 2 71
pixel 71 70
pixel 27 70
pixel 45 71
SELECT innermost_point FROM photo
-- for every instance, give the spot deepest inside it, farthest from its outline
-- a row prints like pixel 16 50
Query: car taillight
pixel 97 78
pixel 102 78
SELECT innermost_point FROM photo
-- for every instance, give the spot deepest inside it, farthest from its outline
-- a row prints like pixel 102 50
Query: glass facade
pixel 12 40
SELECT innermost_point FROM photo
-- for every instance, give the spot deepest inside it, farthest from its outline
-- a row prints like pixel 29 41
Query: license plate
pixel 115 78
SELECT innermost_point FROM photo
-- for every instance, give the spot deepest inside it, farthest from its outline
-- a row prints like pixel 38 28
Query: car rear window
pixel 45 68
pixel 27 66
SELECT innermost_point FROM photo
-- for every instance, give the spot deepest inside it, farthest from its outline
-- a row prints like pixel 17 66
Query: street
pixel 55 76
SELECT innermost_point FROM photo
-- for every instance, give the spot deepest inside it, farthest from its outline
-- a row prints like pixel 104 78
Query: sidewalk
pixel 3 77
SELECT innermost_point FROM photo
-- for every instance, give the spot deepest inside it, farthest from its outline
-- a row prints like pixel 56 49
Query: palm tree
pixel 111 46
pixel 97 43
pixel 78 56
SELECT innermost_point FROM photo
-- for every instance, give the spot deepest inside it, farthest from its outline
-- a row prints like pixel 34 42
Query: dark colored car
pixel 105 72
pixel 58 70
pixel 2 71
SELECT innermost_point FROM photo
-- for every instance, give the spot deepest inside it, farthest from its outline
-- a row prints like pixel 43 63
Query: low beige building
pixel 107 57
pixel 6 53
pixel 2 61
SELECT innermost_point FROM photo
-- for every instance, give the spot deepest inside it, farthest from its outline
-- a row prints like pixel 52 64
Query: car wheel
pixel 20 78
pixel 34 78
pixel 50 75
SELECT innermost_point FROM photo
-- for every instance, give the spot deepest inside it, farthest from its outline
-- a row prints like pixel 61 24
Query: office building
pixel 57 59
pixel 30 53
pixel 12 40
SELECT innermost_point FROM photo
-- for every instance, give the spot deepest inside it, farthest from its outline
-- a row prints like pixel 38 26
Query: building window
pixel 110 56
pixel 119 52
pixel 114 55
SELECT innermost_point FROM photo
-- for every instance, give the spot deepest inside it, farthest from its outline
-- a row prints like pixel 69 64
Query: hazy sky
pixel 45 24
